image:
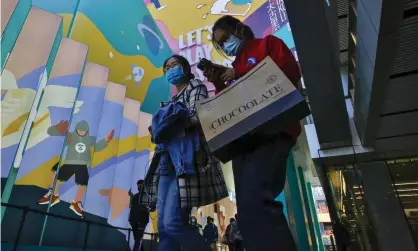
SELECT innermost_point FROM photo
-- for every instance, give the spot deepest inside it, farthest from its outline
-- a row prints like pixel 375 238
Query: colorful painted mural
pixel 23 81
pixel 87 127
pixel 123 36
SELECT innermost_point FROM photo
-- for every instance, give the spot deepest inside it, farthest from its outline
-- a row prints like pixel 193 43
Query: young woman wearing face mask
pixel 260 171
pixel 175 232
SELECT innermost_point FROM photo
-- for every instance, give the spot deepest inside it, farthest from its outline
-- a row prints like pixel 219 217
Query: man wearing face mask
pixel 175 180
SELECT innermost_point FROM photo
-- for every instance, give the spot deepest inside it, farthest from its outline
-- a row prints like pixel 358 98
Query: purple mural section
pixel 101 176
pixel 45 148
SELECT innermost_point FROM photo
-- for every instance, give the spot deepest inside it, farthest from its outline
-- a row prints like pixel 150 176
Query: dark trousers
pixel 260 176
pixel 138 233
pixel 239 246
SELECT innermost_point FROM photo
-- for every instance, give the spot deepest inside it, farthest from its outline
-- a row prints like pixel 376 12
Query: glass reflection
pixel 405 181
pixel 349 199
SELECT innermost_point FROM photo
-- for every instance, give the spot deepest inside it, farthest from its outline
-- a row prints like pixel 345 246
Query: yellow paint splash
pixel 15 125
pixel 86 32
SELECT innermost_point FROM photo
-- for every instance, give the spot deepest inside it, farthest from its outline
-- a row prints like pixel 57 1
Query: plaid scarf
pixel 206 187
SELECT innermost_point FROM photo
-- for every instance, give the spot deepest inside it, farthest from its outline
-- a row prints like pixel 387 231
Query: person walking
pixel 226 238
pixel 235 237
pixel 182 174
pixel 211 234
pixel 138 217
pixel 260 169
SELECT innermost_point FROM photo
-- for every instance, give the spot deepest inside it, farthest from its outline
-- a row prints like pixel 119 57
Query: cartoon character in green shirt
pixel 77 160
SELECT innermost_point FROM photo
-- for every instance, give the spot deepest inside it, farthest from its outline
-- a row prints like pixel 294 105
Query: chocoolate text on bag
pixel 248 106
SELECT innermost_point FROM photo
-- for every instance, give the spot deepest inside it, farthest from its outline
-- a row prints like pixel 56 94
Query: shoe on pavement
pixel 77 208
pixel 47 197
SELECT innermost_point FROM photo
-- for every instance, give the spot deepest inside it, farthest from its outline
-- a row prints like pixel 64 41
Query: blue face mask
pixel 232 46
pixel 175 75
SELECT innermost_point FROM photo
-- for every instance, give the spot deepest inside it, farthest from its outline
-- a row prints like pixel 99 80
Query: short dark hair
pixel 184 62
pixel 140 182
pixel 234 26
pixel 231 220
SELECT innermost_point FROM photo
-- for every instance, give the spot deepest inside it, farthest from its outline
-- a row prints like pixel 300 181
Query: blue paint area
pixel 3 94
pixel 152 41
pixel 123 179
pixel 94 203
pixel 140 167
pixel 157 90
pixel 90 111
pixel 114 17
pixel 111 119
pixel 71 80
pixel 7 157
pixel 241 2
pixel 128 128
pixel 284 34
pixel 258 20
pixel 123 172
pixel 54 6
pixel 282 199
pixel 56 114
pixel 31 79
pixel 40 154
pixel 121 221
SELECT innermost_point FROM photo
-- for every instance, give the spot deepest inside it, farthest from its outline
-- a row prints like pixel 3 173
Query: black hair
pixel 231 220
pixel 186 65
pixel 140 182
pixel 233 26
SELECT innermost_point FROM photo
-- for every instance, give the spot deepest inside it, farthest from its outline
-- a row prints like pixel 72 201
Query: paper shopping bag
pixel 263 98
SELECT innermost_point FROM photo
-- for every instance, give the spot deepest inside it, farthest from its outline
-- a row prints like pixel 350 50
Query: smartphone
pixel 204 64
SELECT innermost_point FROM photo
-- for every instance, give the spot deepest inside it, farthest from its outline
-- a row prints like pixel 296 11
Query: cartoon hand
pixel 62 126
pixel 109 137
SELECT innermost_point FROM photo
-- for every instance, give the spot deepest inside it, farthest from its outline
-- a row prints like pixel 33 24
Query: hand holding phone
pixel 205 64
